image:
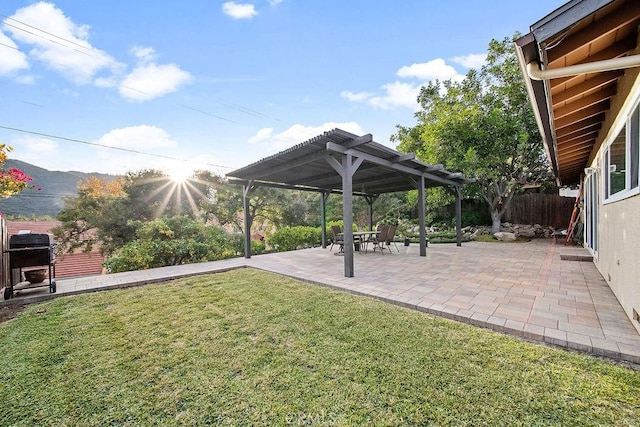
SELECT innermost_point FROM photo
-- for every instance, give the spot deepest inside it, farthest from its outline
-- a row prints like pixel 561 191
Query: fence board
pixel 544 209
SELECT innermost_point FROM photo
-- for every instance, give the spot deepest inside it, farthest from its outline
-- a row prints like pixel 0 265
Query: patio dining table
pixel 362 236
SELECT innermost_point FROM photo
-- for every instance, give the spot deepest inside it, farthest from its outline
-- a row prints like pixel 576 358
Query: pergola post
pixel 347 213
pixel 246 192
pixel 323 217
pixel 421 217
pixel 458 215
pixel 370 201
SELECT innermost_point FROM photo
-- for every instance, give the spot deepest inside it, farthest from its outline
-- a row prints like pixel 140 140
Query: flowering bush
pixel 14 180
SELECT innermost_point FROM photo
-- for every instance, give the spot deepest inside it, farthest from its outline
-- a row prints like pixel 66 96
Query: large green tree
pixel 482 126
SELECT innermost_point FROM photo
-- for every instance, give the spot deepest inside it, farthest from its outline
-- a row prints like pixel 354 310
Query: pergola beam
pixel 331 146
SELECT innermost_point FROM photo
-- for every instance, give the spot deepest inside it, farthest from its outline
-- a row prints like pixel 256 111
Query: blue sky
pixel 220 84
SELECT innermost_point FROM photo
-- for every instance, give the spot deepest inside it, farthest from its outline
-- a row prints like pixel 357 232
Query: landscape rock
pixel 505 236
pixel 526 232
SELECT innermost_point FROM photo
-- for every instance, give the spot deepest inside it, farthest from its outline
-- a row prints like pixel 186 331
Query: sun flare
pixel 180 175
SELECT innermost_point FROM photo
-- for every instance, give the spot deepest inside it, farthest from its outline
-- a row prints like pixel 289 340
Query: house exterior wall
pixel 618 224
pixel 618 256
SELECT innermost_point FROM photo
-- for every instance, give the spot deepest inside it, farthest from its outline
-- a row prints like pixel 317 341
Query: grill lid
pixel 30 240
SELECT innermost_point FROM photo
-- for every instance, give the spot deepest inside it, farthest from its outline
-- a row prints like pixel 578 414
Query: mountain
pixel 49 200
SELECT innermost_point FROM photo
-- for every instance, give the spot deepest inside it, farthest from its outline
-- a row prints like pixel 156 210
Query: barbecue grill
pixel 31 250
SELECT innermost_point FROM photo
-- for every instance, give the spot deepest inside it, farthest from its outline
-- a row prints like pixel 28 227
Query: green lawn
pixel 251 348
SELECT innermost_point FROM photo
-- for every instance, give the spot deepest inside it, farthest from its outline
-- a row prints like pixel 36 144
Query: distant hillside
pixel 55 186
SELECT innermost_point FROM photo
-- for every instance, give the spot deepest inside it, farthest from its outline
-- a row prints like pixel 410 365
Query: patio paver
pixel 522 289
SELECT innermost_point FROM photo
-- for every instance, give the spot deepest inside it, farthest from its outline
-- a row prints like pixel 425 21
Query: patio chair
pixel 379 238
pixel 391 234
pixel 337 238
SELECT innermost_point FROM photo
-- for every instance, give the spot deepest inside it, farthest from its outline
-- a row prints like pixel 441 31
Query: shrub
pixel 292 238
pixel 170 241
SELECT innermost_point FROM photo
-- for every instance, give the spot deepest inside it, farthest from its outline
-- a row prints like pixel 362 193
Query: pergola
pixel 343 163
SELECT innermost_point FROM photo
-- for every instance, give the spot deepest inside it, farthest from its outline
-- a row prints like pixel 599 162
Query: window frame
pixel 631 127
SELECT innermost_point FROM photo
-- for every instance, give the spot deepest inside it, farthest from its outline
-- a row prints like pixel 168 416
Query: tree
pixel 14 180
pixel 482 126
pixel 102 212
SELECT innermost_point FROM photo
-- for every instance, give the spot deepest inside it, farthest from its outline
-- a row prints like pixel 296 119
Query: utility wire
pixel 43 31
pixel 10 47
pixel 236 107
pixel 95 144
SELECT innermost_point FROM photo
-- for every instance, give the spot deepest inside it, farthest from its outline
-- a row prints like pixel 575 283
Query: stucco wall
pixel 619 252
pixel 619 222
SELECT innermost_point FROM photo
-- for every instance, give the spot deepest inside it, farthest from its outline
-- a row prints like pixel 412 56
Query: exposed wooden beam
pixel 576 148
pixel 581 125
pixel 617 50
pixel 577 138
pixel 391 165
pixel 578 155
pixel 361 140
pixel 595 31
pixel 581 114
pixel 403 158
pixel 583 103
pixel 586 87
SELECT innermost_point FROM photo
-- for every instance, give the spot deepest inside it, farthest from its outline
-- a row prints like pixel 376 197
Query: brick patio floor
pixel 521 289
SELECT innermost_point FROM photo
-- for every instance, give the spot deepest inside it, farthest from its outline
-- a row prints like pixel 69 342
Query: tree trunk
pixel 495 221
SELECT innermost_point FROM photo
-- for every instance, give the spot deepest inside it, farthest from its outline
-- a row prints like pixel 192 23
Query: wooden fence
pixel 544 209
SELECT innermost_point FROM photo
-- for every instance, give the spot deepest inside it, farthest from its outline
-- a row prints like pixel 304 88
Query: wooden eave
pixel 571 110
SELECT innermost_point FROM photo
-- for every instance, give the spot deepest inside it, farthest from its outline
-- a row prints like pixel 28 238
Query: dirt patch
pixel 10 311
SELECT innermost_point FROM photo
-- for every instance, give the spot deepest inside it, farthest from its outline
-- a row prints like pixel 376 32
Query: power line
pixel 10 47
pixel 43 31
pixel 95 144
pixel 236 107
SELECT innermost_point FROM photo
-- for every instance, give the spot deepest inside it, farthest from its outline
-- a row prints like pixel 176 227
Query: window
pixel 621 161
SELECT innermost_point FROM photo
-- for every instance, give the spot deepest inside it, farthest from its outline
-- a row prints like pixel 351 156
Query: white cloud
pixel 405 94
pixel 239 10
pixel 427 71
pixel 33 149
pixel 474 60
pixel 142 137
pixel 296 134
pixel 262 135
pixel 356 97
pixel 397 94
pixel 59 43
pixel 12 59
pixel 144 54
pixel 150 81
pixel 145 138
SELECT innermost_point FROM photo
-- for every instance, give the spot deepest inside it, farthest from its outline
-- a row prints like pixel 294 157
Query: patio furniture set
pixel 381 238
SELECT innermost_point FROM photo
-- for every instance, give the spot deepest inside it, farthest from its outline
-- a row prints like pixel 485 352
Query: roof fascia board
pixel 564 17
pixel 526 51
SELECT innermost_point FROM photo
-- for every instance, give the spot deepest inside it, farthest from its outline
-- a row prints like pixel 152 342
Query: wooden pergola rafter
pixel 340 162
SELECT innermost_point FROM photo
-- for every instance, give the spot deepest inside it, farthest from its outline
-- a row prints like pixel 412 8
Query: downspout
pixel 535 73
